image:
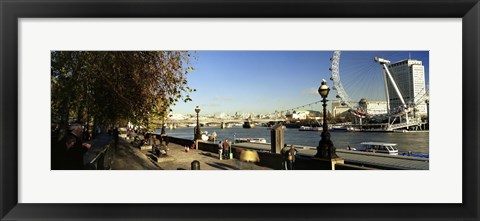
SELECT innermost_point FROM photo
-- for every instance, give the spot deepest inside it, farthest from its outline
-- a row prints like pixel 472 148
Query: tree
pixel 108 86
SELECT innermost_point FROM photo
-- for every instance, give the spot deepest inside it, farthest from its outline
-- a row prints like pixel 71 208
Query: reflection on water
pixel 412 141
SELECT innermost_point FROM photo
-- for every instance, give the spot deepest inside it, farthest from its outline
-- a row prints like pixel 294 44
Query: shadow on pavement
pixel 209 155
pixel 128 158
pixel 223 166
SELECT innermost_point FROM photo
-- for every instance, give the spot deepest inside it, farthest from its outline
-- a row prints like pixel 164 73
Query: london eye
pixel 373 77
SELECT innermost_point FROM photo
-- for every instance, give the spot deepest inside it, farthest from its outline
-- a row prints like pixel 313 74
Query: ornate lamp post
pixel 198 134
pixel 325 147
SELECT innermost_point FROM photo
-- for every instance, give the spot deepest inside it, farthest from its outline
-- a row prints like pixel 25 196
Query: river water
pixel 416 142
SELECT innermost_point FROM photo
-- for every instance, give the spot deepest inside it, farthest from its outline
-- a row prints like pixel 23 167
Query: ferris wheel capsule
pixel 381 60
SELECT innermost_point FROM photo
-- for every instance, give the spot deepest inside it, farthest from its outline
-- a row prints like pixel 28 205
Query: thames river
pixel 416 142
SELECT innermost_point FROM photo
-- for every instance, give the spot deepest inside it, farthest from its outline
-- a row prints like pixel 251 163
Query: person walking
pixel 115 134
pixel 220 150
pixel 166 140
pixel 226 149
pixel 291 157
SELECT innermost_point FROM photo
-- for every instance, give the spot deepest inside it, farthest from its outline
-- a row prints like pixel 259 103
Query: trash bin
pixel 195 165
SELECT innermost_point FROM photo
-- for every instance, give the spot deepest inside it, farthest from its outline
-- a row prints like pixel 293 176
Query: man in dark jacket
pixel 226 149
pixel 74 148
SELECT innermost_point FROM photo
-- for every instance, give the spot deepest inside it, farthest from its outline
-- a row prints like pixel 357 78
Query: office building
pixel 409 76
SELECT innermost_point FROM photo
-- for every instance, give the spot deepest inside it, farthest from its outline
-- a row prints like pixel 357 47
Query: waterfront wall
pixel 268 159
pixel 180 141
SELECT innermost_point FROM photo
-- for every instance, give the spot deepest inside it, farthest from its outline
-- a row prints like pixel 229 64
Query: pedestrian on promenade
pixel 146 138
pixel 74 148
pixel 291 157
pixel 226 149
pixel 220 150
pixel 284 153
pixel 157 140
pixel 115 134
pixel 166 140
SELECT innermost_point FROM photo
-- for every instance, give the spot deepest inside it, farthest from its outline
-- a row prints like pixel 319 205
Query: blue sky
pixel 266 81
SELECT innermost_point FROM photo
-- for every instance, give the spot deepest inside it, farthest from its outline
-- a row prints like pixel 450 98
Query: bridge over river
pixel 216 121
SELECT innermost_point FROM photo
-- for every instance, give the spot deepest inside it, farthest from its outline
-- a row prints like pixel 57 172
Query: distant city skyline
pixel 263 82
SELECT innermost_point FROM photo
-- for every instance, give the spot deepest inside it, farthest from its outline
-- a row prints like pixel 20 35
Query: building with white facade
pixel 338 109
pixel 373 107
pixel 304 114
pixel 409 76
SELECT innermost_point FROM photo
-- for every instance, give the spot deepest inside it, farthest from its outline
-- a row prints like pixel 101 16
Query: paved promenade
pixel 128 157
pixel 378 160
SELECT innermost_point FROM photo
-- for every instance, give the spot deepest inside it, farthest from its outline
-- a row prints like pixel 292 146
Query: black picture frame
pixel 11 11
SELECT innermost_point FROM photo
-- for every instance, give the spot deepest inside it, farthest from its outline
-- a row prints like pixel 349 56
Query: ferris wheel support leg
pixel 394 85
pixel 386 92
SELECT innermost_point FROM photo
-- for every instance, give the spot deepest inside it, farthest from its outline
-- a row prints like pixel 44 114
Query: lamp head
pixel 323 90
pixel 197 109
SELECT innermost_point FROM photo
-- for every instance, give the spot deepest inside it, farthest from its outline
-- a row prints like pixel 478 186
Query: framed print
pixel 262 51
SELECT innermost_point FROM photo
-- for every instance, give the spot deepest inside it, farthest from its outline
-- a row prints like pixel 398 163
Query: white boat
pixel 307 128
pixel 400 131
pixel 339 128
pixel 352 129
pixel 378 147
pixel 250 140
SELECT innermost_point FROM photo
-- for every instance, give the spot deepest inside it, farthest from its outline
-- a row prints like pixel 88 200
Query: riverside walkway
pixel 128 157
pixel 376 160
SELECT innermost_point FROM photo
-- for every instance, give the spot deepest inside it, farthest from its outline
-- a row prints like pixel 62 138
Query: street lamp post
pixel 428 109
pixel 163 125
pixel 197 129
pixel 325 147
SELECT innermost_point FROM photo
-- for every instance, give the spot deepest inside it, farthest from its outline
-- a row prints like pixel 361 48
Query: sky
pixel 263 82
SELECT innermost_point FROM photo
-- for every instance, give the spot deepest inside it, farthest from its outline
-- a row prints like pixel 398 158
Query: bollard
pixel 220 152
pixel 195 165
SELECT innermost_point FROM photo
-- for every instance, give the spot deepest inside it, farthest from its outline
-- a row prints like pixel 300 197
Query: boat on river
pixel 308 128
pixel 377 147
pixel 353 129
pixel 248 124
pixel 339 128
pixel 250 140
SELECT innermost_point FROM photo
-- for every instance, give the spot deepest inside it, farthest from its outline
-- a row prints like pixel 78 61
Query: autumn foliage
pixel 112 87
